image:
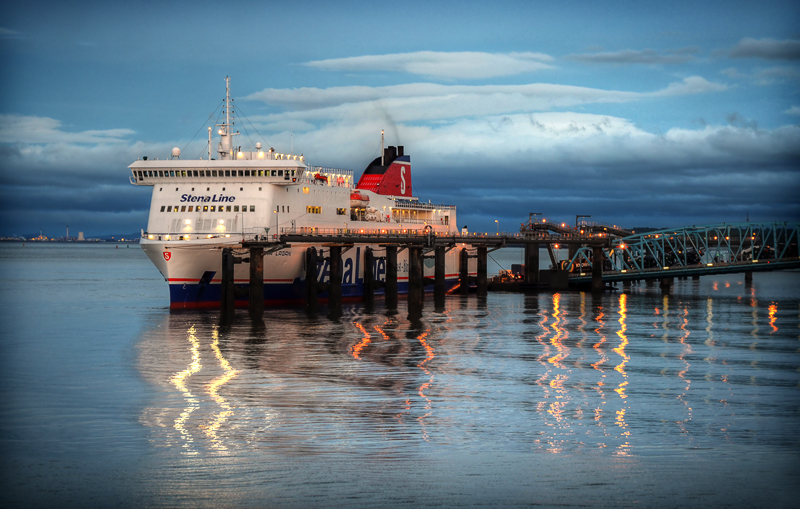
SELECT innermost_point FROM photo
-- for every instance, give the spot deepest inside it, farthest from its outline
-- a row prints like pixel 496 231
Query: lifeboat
pixel 358 200
pixel 321 178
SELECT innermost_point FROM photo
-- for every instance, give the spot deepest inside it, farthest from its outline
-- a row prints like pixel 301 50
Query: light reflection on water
pixel 459 377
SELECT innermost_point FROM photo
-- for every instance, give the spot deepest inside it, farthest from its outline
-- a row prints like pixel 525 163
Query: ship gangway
pixel 695 251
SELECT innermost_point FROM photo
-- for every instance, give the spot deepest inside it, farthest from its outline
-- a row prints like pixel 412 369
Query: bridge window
pixel 169 208
pixel 213 173
pixel 244 208
pixel 205 208
pixel 241 173
pixel 212 208
pixel 252 208
pixel 236 208
pixel 195 172
pixel 183 208
pixel 175 208
pixel 313 210
pixel 341 212
pixel 191 207
pixel 305 190
pixel 162 208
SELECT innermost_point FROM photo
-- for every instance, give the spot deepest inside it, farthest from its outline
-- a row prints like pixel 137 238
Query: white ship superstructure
pixel 200 206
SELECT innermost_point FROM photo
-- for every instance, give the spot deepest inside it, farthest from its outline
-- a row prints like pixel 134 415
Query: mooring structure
pixel 600 254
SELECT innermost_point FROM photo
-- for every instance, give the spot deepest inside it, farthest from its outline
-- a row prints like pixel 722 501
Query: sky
pixel 636 113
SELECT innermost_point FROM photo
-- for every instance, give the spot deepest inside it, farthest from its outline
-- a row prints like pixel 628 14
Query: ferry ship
pixel 201 206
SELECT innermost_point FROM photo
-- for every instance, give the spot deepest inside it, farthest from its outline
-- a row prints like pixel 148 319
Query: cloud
pixel 645 56
pixel 5 33
pixel 434 102
pixel 732 72
pixel 777 75
pixel 769 49
pixel 30 129
pixel 794 110
pixel 454 65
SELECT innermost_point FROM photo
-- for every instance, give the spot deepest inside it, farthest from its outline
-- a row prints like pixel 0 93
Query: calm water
pixel 630 399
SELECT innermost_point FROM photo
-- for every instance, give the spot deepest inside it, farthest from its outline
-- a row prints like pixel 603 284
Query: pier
pixel 600 255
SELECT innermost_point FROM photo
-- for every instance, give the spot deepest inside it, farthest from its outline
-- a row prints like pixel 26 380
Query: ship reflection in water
pixel 622 380
pixel 295 382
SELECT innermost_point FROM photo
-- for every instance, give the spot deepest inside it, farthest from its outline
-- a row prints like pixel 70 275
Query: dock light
pixel 755 261
pixel 709 265
pixel 622 246
pixel 666 268
pixel 555 246
pixel 151 237
pixel 624 270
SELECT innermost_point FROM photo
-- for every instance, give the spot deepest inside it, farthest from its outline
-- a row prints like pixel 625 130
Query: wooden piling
pixel 369 275
pixel 335 283
pixel 532 264
pixel 464 272
pixel 311 280
pixel 416 286
pixel 597 269
pixel 482 269
pixel 227 288
pixel 390 288
pixel 256 300
pixel 439 276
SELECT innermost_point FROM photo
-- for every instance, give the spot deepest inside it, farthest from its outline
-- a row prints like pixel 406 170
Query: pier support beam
pixel 439 276
pixel 335 284
pixel 416 286
pixel 369 284
pixel 256 300
pixel 748 276
pixel 666 283
pixel 311 280
pixel 597 269
pixel 391 277
pixel 532 264
pixel 463 273
pixel 482 269
pixel 228 290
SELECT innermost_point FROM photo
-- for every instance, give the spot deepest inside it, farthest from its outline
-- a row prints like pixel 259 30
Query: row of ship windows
pixel 142 174
pixel 206 208
pixel 318 210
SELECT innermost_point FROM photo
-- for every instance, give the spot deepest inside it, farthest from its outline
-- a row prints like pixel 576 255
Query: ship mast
pixel 225 147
